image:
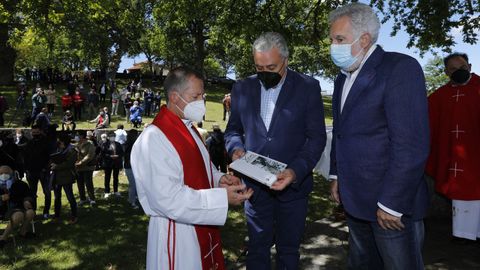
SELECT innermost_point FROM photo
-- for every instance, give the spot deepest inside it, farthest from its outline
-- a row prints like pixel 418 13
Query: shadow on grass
pixel 111 235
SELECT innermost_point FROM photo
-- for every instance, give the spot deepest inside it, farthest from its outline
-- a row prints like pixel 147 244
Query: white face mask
pixel 195 110
pixel 4 176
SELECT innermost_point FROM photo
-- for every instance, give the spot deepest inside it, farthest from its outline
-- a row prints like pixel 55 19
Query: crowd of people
pixel 79 103
pixel 56 161
pixel 386 135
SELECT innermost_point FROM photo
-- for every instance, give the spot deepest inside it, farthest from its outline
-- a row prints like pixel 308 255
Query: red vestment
pixel 196 177
pixel 454 160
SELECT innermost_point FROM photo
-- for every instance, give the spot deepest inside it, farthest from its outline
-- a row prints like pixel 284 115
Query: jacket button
pixel 269 139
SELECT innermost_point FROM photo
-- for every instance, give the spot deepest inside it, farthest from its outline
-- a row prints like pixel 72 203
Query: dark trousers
pixel 33 177
pixel 271 221
pixel 68 188
pixel 77 112
pixel 372 247
pixel 148 108
pixel 108 173
pixel 85 178
pixel 2 119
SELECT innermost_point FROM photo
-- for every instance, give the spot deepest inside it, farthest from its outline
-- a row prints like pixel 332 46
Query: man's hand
pixel 334 195
pixel 53 166
pixel 389 222
pixel 238 194
pixel 238 154
pixel 284 179
pixel 229 180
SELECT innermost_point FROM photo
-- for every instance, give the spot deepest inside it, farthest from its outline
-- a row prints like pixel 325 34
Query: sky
pixel 396 43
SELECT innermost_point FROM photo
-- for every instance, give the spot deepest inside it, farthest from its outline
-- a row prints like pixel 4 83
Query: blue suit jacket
pixel 296 135
pixel 381 138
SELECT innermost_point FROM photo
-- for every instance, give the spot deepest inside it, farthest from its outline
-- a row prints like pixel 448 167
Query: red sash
pixel 196 177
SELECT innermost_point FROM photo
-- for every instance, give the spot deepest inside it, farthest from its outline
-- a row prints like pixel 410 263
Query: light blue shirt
pixel 268 100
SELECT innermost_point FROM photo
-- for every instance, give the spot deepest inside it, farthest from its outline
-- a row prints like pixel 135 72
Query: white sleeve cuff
pixel 388 210
pixel 332 176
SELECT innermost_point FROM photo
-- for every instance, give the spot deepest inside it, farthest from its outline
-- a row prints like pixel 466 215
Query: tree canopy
pixel 212 36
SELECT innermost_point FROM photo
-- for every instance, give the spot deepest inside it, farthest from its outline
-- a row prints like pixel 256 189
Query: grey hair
pixel 177 79
pixel 268 40
pixel 362 16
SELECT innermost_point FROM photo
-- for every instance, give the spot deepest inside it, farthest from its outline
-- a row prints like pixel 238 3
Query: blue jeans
pixel 372 247
pixel 270 222
pixel 132 189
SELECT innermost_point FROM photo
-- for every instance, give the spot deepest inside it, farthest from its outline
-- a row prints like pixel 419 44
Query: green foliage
pixel 432 23
pixel 435 74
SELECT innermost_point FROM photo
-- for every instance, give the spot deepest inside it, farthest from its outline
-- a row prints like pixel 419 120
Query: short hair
pixel 82 133
pixel 64 138
pixel 177 79
pixel 453 55
pixel 362 17
pixel 120 126
pixel 269 40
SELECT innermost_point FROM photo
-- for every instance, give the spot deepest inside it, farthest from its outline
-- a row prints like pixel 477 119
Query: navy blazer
pixel 297 131
pixel 381 138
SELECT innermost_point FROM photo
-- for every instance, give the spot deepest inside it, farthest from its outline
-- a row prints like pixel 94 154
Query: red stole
pixel 196 177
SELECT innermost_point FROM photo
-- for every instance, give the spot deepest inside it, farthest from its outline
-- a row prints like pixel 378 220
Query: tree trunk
pixel 7 57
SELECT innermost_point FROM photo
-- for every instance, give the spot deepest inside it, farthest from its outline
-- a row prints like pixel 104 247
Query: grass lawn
pixel 113 235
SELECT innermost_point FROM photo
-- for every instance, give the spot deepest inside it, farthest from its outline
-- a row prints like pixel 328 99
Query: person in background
pixel 67 102
pixel 216 148
pixel 92 102
pixel 132 189
pixel 115 101
pixel 85 166
pixel 120 135
pixel 136 114
pixel 68 122
pixel 3 109
pixel 380 144
pixel 63 175
pixel 127 104
pixel 148 96
pixel 101 121
pixel 51 95
pixel 103 91
pixel 455 151
pixel 77 104
pixel 38 102
pixel 16 205
pixel 37 153
pixel 112 162
pixel 42 119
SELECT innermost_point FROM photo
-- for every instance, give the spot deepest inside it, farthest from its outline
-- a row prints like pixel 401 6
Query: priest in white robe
pixel 184 195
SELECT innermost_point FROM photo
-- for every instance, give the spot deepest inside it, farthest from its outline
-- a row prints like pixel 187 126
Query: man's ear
pixel 365 40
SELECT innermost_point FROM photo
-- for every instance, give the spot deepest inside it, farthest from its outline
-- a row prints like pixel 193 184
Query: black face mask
pixel 269 79
pixel 460 76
